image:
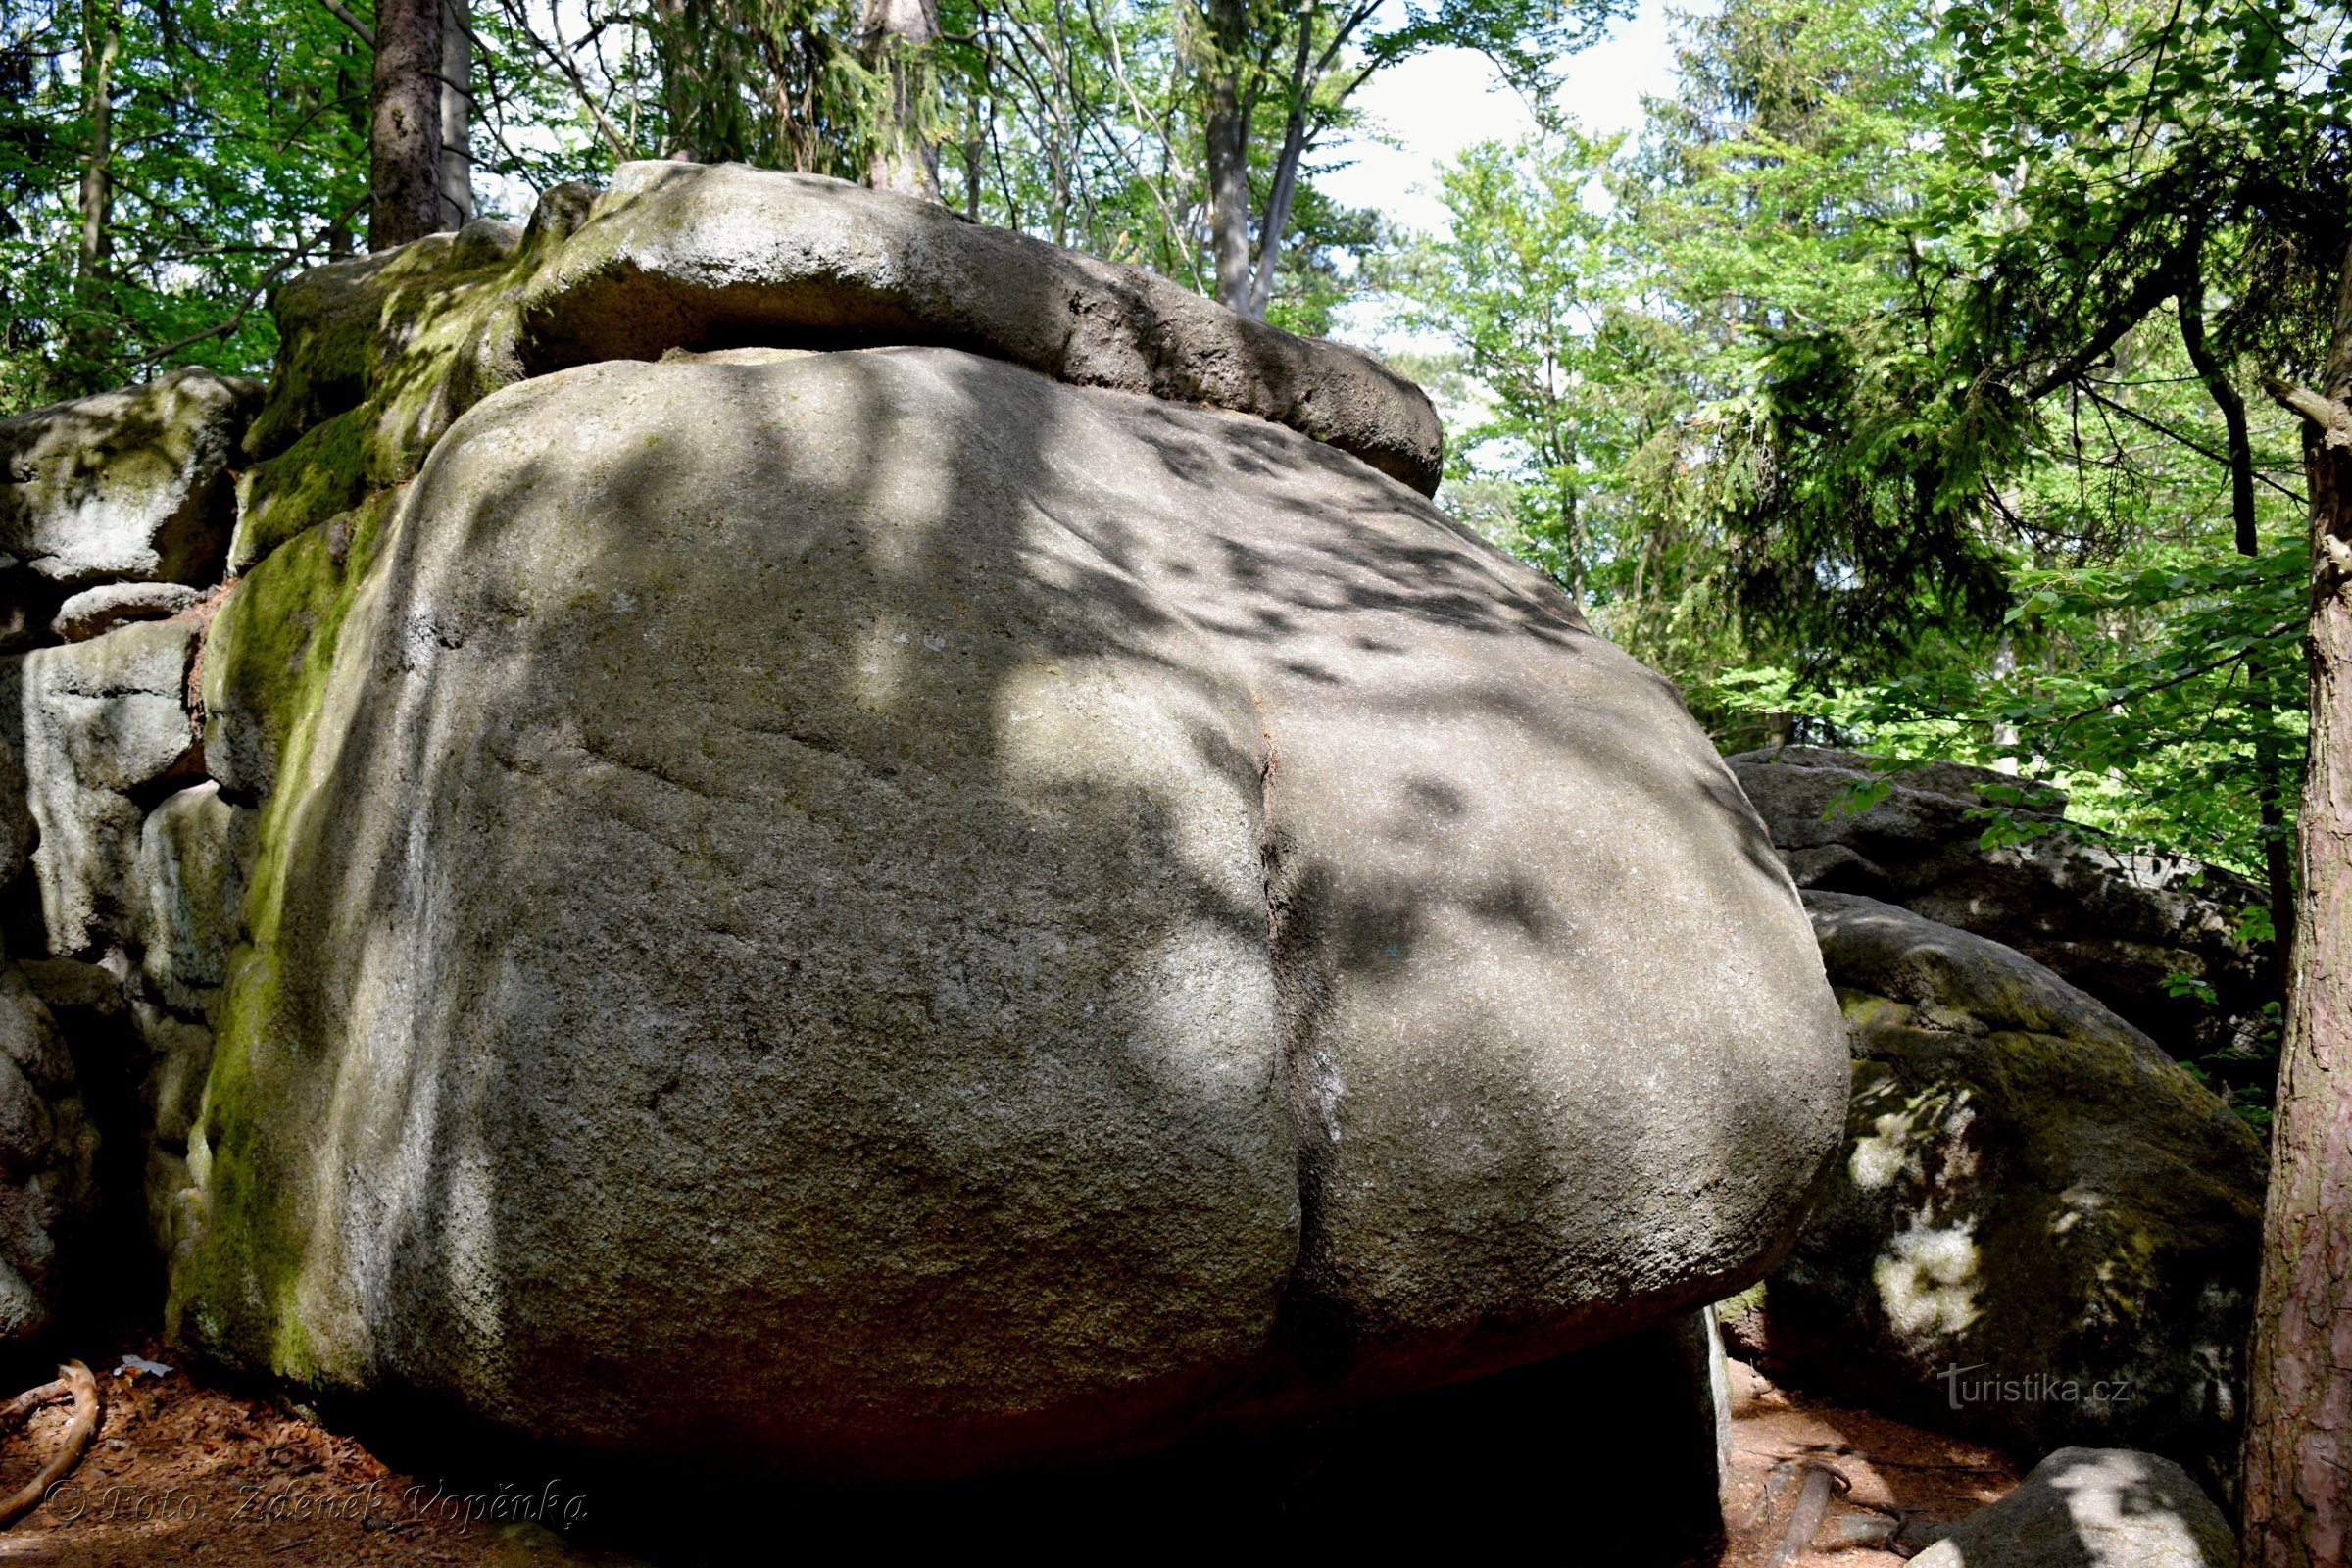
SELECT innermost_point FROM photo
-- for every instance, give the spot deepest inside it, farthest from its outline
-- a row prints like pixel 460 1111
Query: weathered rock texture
pixel 1071 911
pixel 48 1152
pixel 2042 1231
pixel 104 728
pixel 96 610
pixel 129 484
pixel 2118 925
pixel 678 257
pixel 930 865
pixel 2094 1508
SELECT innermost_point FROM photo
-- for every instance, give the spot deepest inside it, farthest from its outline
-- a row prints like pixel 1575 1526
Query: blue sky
pixel 1438 104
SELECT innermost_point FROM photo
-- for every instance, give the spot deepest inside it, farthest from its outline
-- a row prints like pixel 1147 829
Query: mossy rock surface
pixel 2038 1234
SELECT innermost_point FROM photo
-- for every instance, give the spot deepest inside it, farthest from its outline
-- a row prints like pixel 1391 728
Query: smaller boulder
pixel 2042 1230
pixel 188 892
pixel 2093 1508
pixel 2116 923
pixel 94 611
pixel 128 484
pixel 103 726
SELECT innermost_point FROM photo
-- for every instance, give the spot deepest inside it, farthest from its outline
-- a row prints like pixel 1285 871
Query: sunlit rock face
pixel 887 914
pixel 2041 1231
pixel 2094 1508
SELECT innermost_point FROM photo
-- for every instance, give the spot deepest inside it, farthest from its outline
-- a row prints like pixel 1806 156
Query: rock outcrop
pixel 929 833
pixel 1022 893
pixel 2094 1508
pixel 2118 925
pixel 2042 1231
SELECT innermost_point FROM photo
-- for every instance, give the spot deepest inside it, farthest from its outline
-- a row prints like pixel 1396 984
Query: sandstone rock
pixel 989 920
pixel 686 255
pixel 188 882
pixel 2094 1508
pixel 102 609
pixel 2115 924
pixel 127 484
pixel 47 1151
pixel 103 723
pixel 2042 1230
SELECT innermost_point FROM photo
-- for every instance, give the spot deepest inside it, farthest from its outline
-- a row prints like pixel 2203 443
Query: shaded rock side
pixel 2042 1232
pixel 131 484
pixel 2116 924
pixel 991 921
pixel 2094 1508
pixel 48 1152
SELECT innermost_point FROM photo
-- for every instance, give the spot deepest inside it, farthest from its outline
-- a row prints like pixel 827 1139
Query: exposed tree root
pixel 73 1379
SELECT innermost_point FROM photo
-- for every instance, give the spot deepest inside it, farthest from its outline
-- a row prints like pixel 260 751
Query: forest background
pixel 1897 385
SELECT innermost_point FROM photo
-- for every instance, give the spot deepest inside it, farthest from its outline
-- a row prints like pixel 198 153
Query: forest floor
pixel 188 1472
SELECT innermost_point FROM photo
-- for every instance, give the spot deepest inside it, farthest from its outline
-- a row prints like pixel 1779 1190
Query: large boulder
pixel 131 484
pixel 2125 926
pixel 2094 1508
pixel 2042 1230
pixel 881 914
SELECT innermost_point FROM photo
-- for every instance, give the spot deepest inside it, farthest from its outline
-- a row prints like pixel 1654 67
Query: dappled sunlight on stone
pixel 1929 1280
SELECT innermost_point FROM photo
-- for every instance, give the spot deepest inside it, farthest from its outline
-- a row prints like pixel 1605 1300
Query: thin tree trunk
pixel 1285 176
pixel 2277 852
pixel 2298 1454
pixel 91 340
pixel 404 132
pixel 457 115
pixel 896 36
pixel 1227 133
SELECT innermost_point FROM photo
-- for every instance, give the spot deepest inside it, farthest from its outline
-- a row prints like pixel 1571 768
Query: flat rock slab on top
pixel 96 610
pixel 691 256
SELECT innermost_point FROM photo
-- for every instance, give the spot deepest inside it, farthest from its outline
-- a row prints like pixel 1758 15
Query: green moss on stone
pixel 269 657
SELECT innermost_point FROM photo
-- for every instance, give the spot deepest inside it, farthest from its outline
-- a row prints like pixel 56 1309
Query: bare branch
pixel 342 13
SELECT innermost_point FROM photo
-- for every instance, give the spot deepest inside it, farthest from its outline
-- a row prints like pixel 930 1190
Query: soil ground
pixel 186 1471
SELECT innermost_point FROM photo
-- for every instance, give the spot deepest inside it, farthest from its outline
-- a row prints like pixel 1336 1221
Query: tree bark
pixel 90 343
pixel 1227 132
pixel 404 130
pixel 2278 854
pixel 897 37
pixel 2298 1454
pixel 457 115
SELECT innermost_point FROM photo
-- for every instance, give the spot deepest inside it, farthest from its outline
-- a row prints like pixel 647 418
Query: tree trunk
pixel 896 36
pixel 404 132
pixel 90 343
pixel 1286 177
pixel 2277 853
pixel 2298 1454
pixel 457 115
pixel 1227 133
